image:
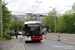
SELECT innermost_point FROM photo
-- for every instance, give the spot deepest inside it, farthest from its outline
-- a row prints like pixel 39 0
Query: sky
pixel 39 6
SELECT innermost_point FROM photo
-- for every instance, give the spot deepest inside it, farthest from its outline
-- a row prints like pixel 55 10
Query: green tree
pixel 66 23
pixel 15 25
pixel 50 20
pixel 20 25
pixel 72 23
pixel 6 16
pixel 61 26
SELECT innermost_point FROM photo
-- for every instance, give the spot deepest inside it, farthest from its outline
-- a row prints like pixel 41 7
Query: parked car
pixel 49 30
pixel 20 33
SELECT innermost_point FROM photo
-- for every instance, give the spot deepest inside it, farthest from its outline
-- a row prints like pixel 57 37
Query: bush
pixel 6 36
pixel 2 38
pixel 8 31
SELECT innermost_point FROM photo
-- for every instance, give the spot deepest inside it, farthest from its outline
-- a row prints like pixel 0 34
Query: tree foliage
pixel 50 20
pixel 6 17
pixel 20 25
pixel 64 23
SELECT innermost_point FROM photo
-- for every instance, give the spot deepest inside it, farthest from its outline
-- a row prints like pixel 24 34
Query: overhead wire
pixel 26 13
pixel 33 6
pixel 37 5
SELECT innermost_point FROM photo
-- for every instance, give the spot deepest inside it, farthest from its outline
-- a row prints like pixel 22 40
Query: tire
pixel 39 40
pixel 25 41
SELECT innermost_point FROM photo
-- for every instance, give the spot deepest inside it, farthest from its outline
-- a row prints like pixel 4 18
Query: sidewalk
pixel 14 44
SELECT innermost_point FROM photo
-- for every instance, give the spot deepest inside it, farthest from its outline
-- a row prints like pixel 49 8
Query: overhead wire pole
pixel 55 19
pixel 1 34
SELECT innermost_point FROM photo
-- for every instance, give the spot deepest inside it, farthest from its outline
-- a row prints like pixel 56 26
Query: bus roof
pixel 33 22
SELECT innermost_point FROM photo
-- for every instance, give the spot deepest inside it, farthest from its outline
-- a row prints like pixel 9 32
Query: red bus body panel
pixel 40 37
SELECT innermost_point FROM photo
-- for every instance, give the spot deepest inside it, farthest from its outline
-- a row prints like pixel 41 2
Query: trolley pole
pixel 1 34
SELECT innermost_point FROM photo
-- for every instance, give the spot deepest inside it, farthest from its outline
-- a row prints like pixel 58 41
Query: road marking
pixel 65 39
pixel 61 41
pixel 68 37
pixel 68 42
pixel 51 39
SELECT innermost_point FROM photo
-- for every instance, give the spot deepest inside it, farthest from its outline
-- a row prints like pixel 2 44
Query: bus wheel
pixel 39 40
pixel 25 41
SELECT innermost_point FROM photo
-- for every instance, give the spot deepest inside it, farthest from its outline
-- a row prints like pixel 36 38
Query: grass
pixel 5 37
pixel 2 39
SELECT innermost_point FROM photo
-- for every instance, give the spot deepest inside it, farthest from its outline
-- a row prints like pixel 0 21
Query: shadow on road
pixel 33 42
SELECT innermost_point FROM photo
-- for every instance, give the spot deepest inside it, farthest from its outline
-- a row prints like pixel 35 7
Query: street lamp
pixel 55 19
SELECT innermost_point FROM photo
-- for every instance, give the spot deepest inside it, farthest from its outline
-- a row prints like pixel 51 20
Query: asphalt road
pixel 48 45
pixel 64 37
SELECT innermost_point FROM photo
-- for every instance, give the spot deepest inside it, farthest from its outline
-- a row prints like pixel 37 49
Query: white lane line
pixel 64 39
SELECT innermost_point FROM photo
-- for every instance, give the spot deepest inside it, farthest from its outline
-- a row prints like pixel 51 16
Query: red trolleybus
pixel 32 31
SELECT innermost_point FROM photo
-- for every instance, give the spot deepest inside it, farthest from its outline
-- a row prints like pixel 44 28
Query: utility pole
pixel 55 21
pixel 1 18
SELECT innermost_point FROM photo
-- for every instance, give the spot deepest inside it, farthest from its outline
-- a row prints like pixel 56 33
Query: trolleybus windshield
pixel 33 29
